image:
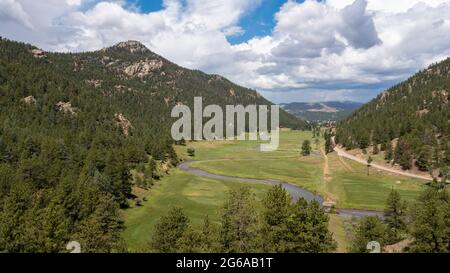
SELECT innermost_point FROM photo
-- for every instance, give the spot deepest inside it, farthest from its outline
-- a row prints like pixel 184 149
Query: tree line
pixel 283 226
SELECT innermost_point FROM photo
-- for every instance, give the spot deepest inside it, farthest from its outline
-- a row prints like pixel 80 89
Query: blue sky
pixel 149 5
pixel 257 21
pixel 311 51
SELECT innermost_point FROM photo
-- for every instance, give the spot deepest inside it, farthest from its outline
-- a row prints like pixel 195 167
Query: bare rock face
pixel 37 53
pixel 132 46
pixel 95 83
pixel 30 100
pixel 66 107
pixel 123 123
pixel 215 78
pixel 143 68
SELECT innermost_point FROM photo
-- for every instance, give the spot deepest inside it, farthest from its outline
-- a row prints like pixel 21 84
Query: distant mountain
pixel 411 121
pixel 321 111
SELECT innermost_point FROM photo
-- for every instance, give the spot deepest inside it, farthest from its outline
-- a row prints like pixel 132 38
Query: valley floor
pixel 334 178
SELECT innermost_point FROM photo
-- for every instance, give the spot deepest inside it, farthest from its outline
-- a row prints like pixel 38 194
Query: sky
pixel 287 50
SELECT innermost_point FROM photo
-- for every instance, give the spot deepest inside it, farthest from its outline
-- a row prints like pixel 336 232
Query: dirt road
pixel 343 153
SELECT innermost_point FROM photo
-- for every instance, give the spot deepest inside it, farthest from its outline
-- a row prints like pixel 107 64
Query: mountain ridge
pixel 321 111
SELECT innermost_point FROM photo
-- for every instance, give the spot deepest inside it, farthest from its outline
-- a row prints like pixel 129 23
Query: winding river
pixel 295 191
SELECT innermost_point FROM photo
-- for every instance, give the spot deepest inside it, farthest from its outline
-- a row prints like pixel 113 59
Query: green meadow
pixel 337 179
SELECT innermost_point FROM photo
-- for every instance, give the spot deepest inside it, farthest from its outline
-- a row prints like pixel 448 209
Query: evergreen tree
pixel 389 153
pixel 306 148
pixel 431 224
pixel 328 143
pixel 395 217
pixel 277 210
pixel 169 230
pixel 423 161
pixel 191 152
pixel 238 230
pixel 403 155
pixel 202 241
pixel 308 229
pixel 102 230
pixel 367 230
pixel 369 162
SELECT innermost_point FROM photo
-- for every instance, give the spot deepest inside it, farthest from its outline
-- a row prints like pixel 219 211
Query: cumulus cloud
pixel 11 10
pixel 317 50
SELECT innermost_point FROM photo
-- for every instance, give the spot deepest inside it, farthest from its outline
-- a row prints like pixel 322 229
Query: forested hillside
pixel 410 121
pixel 72 126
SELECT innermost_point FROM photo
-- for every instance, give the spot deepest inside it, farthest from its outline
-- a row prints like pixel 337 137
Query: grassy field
pixel 338 179
pixel 346 183
pixel 290 144
pixel 197 196
pixel 302 171
pixel 351 187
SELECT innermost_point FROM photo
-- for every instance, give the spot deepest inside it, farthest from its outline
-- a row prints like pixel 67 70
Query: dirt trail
pixel 345 164
pixel 326 169
pixel 343 153
pixel 327 177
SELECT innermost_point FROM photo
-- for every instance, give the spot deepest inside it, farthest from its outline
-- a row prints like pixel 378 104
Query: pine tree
pixel 308 229
pixel 328 143
pixel 204 240
pixel 306 148
pixel 191 152
pixel 423 161
pixel 395 214
pixel 169 230
pixel 389 154
pixel 369 162
pixel 277 209
pixel 367 230
pixel 403 155
pixel 431 224
pixel 238 230
pixel 102 230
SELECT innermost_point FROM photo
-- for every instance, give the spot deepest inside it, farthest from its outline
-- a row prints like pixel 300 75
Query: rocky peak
pixel 132 46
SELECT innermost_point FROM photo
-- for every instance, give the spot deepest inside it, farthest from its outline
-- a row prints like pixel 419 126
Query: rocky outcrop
pixel 30 100
pixel 215 78
pixel 143 68
pixel 66 107
pixel 37 53
pixel 95 83
pixel 132 46
pixel 123 123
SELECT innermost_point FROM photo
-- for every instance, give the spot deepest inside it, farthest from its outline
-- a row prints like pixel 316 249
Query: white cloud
pixel 11 10
pixel 331 49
